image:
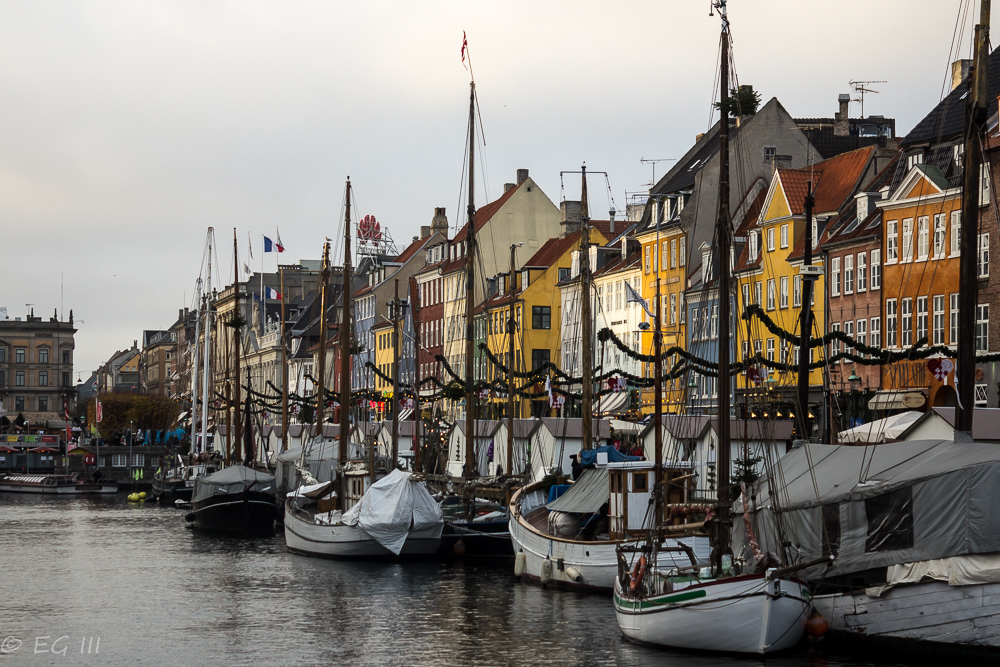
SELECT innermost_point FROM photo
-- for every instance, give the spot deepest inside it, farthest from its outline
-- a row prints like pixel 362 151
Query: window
pixel 875 332
pixel 684 251
pixel 835 342
pixel 770 349
pixel 19 403
pixel 3 378
pixel 646 260
pixel 119 460
pixel 862 271
pixel 695 321
pixel 640 481
pixel 19 379
pixel 784 236
pixel 938 330
pixel 921 317
pixel 138 460
pixel 890 323
pixel 849 332
pixel 956 233
pixel 876 269
pixel 890 521
pixel 746 295
pixel 769 153
pixel 939 233
pixel 835 276
pixel 753 246
pixel 796 291
pixel 756 292
pixel 923 238
pixel 770 293
pixel 783 293
pixel 953 318
pixel 43 355
pixel 908 240
pixel 984 255
pixel 673 253
pixel 683 309
pixel 984 184
pixel 541 317
pixel 982 327
pixel 849 274
pixel 907 317
pixel 43 403
pixel 3 355
pixel 891 239
pixel 770 239
pixel 673 308
pixel 785 353
pixel 43 379
pixel 861 332
pixel 564 272
pixel 19 354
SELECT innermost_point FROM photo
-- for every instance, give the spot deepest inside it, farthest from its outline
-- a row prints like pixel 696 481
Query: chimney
pixel 439 223
pixel 425 231
pixel 959 70
pixel 522 176
pixel 841 125
pixel 571 214
pixel 507 186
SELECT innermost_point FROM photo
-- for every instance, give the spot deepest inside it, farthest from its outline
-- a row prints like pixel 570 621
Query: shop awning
pixel 613 402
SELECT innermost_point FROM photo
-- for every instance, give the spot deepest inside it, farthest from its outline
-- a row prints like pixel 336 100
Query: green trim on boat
pixel 657 602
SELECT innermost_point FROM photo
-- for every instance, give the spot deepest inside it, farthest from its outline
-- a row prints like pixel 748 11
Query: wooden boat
pixel 63 485
pixel 237 501
pixel 486 533
pixel 176 483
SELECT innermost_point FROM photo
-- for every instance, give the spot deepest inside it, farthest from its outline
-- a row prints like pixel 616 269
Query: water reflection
pixel 159 594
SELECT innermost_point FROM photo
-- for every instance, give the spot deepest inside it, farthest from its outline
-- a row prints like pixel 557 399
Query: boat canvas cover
pixel 587 495
pixel 880 505
pixel 391 507
pixel 588 457
pixel 234 479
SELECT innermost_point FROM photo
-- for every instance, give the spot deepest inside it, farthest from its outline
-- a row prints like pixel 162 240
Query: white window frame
pixel 834 276
pixel 956 234
pixel 784 236
pixel 796 291
pixel 770 239
pixel 783 292
pixel 119 460
pixel 771 297
pixel 835 342
pixel 984 184
pixel 983 263
pixel 937 328
pixel 982 327
pixel 862 282
pixel 906 322
pixel 922 318
pixel 770 349
pixel 940 235
pixel 849 332
pixel 861 331
pixel 891 323
pixel 891 241
pixel 756 292
pixel 953 319
pixel 876 270
pixel 875 332
pixel 907 241
pixel 923 238
pixel 849 274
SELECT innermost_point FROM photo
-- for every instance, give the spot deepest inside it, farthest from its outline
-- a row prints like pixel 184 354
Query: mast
pixel 284 367
pixel 658 378
pixel 345 338
pixel 470 292
pixel 975 126
pixel 415 314
pixel 208 346
pixel 587 404
pixel 194 374
pixel 511 329
pixel 237 316
pixel 324 278
pixel 724 229
pixel 395 377
pixel 802 421
pixel 248 448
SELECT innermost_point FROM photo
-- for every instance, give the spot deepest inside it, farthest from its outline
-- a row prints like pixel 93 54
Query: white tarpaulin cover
pixel 880 430
pixel 957 570
pixel 391 507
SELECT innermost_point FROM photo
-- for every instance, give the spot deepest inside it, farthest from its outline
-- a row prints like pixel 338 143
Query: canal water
pixel 105 582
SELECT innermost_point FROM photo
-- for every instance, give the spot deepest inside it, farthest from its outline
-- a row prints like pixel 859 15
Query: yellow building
pixel 665 260
pixel 768 272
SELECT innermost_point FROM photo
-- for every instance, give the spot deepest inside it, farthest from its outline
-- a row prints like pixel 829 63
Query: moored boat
pixel 236 501
pixel 55 485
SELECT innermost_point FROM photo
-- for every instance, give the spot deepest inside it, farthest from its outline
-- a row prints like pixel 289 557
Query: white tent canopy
pixel 880 430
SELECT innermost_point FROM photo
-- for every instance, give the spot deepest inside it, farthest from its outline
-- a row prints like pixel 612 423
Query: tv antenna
pixel 653 161
pixel 861 87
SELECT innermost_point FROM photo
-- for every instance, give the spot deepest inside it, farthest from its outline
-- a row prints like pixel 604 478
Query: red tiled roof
pixel 412 250
pixel 552 250
pixel 834 181
pixel 484 213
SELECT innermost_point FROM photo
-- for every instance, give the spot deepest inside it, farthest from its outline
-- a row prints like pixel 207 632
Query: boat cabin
pixel 630 485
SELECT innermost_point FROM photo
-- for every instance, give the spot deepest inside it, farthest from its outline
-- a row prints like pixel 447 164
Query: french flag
pixel 271 294
pixel 271 246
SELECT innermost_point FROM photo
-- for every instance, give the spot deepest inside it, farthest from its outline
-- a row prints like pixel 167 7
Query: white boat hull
pixel 751 615
pixel 933 611
pixel 595 562
pixel 36 484
pixel 352 542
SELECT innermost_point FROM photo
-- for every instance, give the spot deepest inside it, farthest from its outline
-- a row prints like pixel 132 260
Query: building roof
pixel 552 250
pixel 413 249
pixel 682 176
pixel 947 119
pixel 484 213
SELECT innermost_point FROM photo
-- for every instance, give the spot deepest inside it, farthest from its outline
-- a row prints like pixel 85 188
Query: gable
pixel 777 204
pixel 921 188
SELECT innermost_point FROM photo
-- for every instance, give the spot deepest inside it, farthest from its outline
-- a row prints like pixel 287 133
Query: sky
pixel 127 129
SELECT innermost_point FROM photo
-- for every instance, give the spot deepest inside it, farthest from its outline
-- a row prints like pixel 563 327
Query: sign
pixel 913 399
pixel 617 384
pixel 90 459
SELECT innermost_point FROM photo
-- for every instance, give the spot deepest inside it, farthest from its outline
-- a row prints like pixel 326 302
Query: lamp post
pixel 855 383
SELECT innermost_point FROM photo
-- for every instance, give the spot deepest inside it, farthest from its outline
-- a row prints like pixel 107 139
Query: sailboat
pixel 573 541
pixel 237 500
pixel 711 608
pixel 356 516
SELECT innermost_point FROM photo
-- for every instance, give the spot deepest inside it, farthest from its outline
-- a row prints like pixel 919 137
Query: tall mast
pixel 975 126
pixel 194 373
pixel 657 375
pixel 324 279
pixel 802 421
pixel 724 229
pixel 415 314
pixel 237 316
pixel 470 292
pixel 511 329
pixel 208 345
pixel 395 377
pixel 345 337
pixel 284 366
pixel 587 404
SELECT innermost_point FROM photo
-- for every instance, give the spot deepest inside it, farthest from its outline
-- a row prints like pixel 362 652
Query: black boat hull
pixel 171 490
pixel 249 514
pixel 479 539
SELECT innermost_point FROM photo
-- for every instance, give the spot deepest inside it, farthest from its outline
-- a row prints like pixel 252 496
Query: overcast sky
pixel 126 128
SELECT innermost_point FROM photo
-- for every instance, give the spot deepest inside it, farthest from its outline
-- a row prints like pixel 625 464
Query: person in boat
pixel 576 468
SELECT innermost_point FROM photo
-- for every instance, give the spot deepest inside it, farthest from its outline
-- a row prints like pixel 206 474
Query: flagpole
pixel 263 295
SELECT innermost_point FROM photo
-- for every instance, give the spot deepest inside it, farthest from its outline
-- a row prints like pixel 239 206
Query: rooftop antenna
pixel 861 87
pixel 653 161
